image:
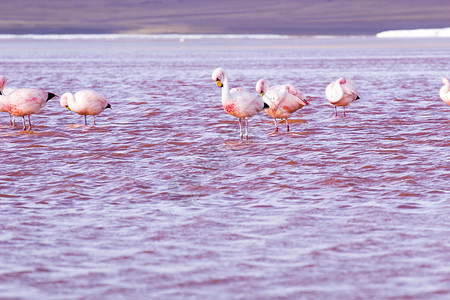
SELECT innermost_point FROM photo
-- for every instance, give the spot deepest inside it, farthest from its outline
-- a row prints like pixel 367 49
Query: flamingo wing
pixel 247 105
pixel 334 92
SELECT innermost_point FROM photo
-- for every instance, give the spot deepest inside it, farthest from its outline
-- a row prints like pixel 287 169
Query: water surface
pixel 161 199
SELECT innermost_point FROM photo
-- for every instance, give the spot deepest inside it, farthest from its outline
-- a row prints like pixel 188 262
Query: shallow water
pixel 161 199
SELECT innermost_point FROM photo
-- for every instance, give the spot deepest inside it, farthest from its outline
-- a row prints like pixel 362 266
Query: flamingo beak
pixel 51 96
pixel 304 100
pixel 219 84
pixel 262 94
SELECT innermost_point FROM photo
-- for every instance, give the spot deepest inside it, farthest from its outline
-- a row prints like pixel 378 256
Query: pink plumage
pixel 444 93
pixel 236 102
pixel 3 99
pixel 283 100
pixel 85 102
pixel 24 102
pixel 341 93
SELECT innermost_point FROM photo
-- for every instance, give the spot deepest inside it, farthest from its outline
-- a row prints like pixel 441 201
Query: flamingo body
pixel 283 100
pixel 85 102
pixel 25 102
pixel 445 90
pixel 341 93
pixel 236 102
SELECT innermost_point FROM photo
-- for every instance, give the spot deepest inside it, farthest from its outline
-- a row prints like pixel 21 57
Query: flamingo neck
pixel 225 89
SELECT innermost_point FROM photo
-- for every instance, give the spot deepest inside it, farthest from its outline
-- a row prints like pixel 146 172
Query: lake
pixel 162 199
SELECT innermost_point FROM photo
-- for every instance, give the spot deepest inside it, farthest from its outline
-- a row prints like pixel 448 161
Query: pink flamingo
pixel 236 102
pixel 85 102
pixel 283 100
pixel 4 99
pixel 341 93
pixel 445 91
pixel 25 102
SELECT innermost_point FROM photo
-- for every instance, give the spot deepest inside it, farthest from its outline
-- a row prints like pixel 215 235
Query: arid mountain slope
pixel 304 17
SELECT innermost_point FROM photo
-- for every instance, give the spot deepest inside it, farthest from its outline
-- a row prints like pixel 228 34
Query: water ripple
pixel 161 199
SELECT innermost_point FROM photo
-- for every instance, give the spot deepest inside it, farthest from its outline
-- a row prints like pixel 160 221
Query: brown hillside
pixel 303 17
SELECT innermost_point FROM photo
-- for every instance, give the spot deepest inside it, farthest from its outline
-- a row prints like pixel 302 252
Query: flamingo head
pixel 64 100
pixel 304 100
pixel 445 81
pixel 218 75
pixel 2 83
pixel 261 87
pixel 342 80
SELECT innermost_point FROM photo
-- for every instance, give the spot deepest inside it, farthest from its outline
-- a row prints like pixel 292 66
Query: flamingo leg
pixel 240 128
pixel 276 126
pixel 246 128
pixel 344 110
pixel 29 122
pixel 287 126
pixel 94 119
pixel 10 120
pixel 85 122
pixel 24 126
pixel 335 111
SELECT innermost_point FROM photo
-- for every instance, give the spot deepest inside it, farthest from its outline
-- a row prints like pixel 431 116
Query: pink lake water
pixel 162 200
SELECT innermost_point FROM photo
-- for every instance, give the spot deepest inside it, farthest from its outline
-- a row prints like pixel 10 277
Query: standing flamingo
pixel 341 93
pixel 283 100
pixel 445 90
pixel 4 99
pixel 85 102
pixel 25 102
pixel 237 103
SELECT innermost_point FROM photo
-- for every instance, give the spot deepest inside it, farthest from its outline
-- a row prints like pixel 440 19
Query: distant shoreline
pixel 413 33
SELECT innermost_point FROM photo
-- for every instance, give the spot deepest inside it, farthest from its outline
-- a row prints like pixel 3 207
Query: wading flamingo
pixel 85 102
pixel 283 100
pixel 236 102
pixel 341 93
pixel 25 102
pixel 445 90
pixel 3 99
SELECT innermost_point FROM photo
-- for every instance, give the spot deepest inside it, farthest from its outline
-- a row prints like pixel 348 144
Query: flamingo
pixel 85 102
pixel 445 90
pixel 3 99
pixel 341 93
pixel 283 100
pixel 236 102
pixel 25 102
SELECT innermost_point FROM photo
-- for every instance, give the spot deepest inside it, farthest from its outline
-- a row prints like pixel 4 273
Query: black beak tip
pixel 51 96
